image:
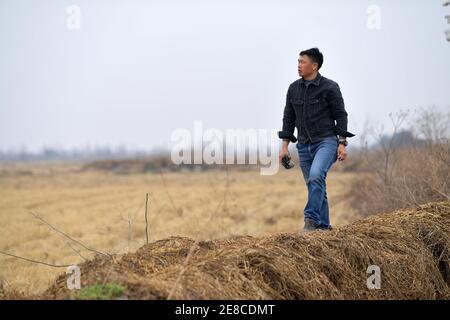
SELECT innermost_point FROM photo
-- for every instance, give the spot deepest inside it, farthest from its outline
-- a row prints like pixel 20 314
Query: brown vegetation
pixel 410 246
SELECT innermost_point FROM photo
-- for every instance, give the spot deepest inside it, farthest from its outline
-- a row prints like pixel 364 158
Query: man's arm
pixel 287 133
pixel 338 112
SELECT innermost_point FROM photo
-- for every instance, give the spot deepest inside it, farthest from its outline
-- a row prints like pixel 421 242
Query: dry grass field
pixel 408 246
pixel 106 211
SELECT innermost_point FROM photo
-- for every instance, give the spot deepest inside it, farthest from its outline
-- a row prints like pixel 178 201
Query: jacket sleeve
pixel 288 121
pixel 338 111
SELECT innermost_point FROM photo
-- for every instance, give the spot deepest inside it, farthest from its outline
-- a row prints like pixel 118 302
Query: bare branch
pixel 75 250
pixel 146 221
pixel 175 208
pixel 35 261
pixel 67 236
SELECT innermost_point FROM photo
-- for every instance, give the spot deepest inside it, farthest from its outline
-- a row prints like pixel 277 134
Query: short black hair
pixel 315 55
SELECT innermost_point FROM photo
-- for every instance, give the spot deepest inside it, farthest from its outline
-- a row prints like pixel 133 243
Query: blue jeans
pixel 315 161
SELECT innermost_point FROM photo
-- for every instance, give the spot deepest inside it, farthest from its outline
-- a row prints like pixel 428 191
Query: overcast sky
pixel 137 70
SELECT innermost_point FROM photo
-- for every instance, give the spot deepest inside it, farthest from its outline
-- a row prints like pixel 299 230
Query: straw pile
pixel 410 246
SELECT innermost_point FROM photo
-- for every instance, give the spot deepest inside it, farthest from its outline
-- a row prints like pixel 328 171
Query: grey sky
pixel 137 70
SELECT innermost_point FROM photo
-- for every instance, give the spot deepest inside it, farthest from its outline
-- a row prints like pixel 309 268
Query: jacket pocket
pixel 298 106
pixel 296 101
pixel 314 109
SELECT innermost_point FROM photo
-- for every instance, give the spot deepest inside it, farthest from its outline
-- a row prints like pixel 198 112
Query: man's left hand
pixel 341 153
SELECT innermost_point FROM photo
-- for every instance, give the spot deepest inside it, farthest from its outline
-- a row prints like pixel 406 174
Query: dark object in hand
pixel 287 162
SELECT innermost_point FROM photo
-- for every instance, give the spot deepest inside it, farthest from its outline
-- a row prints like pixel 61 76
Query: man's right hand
pixel 284 150
pixel 282 154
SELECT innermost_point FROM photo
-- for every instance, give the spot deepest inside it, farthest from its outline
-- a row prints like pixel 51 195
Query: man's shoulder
pixel 328 82
pixel 293 85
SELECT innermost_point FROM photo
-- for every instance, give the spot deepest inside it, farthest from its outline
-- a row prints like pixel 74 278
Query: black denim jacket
pixel 313 109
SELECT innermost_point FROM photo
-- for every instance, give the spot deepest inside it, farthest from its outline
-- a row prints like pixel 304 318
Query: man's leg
pixel 324 155
pixel 325 211
pixel 306 159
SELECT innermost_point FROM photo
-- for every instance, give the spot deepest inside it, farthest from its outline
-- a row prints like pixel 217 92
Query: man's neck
pixel 311 77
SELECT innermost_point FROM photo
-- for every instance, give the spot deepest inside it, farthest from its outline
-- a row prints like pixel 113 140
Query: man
pixel 314 105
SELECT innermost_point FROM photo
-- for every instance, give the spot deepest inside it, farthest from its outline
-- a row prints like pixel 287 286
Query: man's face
pixel 306 66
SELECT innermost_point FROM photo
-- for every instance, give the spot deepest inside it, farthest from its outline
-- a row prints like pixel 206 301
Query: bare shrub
pixel 408 168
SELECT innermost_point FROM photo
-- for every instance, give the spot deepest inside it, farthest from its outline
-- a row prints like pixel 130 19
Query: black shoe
pixel 310 225
pixel 329 228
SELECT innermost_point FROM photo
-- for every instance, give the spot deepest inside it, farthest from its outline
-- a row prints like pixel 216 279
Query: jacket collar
pixel 316 80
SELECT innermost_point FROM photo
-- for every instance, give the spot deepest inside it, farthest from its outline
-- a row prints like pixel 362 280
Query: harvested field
pixel 410 246
pixel 107 212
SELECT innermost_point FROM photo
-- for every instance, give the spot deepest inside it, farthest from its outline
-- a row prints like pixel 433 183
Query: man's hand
pixel 341 153
pixel 284 150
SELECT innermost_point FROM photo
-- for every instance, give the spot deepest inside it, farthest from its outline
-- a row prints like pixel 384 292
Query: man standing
pixel 314 105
